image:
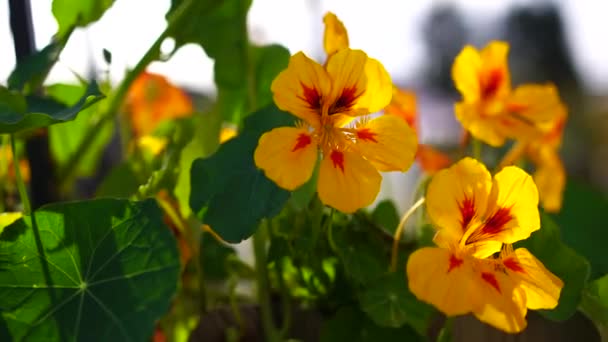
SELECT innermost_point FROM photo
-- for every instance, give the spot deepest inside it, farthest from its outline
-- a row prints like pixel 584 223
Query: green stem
pixel 399 232
pixel 445 334
pixel 116 100
pixel 261 264
pixel 330 231
pixel 27 209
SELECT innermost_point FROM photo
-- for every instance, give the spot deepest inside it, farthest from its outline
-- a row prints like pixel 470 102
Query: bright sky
pixel 391 34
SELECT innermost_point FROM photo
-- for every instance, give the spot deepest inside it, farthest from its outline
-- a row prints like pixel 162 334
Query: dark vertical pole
pixel 42 185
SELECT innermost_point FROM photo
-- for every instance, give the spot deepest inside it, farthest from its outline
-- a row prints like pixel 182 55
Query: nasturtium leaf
pixel 121 182
pixel 33 69
pixel 106 271
pixel 220 27
pixel 363 256
pixel 389 302
pixel 385 215
pixel 78 13
pixel 350 324
pixel 228 192
pixel 67 137
pixel 40 112
pixel 213 257
pixel 595 304
pixel 270 60
pixel 582 223
pixel 546 244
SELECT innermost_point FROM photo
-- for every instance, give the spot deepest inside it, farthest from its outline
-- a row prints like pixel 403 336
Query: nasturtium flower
pixel 478 217
pixel 335 37
pixel 490 110
pixel 152 99
pixel 328 100
pixel 403 105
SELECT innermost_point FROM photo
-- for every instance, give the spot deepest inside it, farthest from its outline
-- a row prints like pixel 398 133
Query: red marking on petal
pixel 516 107
pixel 337 158
pixel 513 265
pixel 490 279
pixel 345 101
pixel 490 83
pixel 497 221
pixel 454 262
pixel 302 141
pixel 312 96
pixel 367 134
pixel 467 210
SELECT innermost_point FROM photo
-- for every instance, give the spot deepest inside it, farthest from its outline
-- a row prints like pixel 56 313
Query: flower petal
pixel 431 160
pixel 287 155
pixel 379 90
pixel 542 287
pixel 498 301
pixel 347 182
pixel 457 197
pixel 495 78
pixel 438 277
pixel 550 178
pixel 347 71
pixel 387 142
pixel 336 36
pixel 532 111
pixel 302 88
pixel 403 104
pixel 465 73
pixel 484 128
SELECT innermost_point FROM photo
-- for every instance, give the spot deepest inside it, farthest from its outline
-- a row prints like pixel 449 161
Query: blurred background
pixel 559 41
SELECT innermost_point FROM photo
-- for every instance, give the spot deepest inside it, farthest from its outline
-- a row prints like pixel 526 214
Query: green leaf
pixel 107 271
pixel 65 138
pixel 595 304
pixel 121 182
pixel 582 218
pixel 389 302
pixel 107 56
pixel 40 112
pixel 385 215
pixel 364 257
pixel 78 13
pixel 228 192
pixel 350 324
pixel 206 141
pixel 564 262
pixel 31 72
pixel 269 60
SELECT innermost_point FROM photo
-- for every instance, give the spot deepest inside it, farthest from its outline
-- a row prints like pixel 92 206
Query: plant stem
pixel 25 200
pixel 476 143
pixel 512 155
pixel 116 100
pixel 261 265
pixel 399 232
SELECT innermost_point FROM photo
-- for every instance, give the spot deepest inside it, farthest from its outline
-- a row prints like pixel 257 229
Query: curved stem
pixel 25 200
pixel 399 232
pixel 512 155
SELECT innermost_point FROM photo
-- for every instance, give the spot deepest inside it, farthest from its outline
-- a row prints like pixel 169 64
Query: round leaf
pixel 106 272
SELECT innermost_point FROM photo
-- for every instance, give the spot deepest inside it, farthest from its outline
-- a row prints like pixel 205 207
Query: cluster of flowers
pixel 474 269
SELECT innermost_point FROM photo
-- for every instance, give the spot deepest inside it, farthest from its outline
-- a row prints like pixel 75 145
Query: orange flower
pixel 153 99
pixel 403 105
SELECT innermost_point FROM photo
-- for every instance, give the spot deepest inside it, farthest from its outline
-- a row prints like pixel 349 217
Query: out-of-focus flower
pixel 327 99
pixel 6 154
pixel 403 105
pixel 154 145
pixel 227 133
pixel 489 109
pixel 476 217
pixel 153 99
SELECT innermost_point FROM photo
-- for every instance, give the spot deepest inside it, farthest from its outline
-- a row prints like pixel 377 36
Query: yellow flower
pixel 476 217
pixel 335 37
pixel 490 110
pixel 327 99
pixel 403 105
